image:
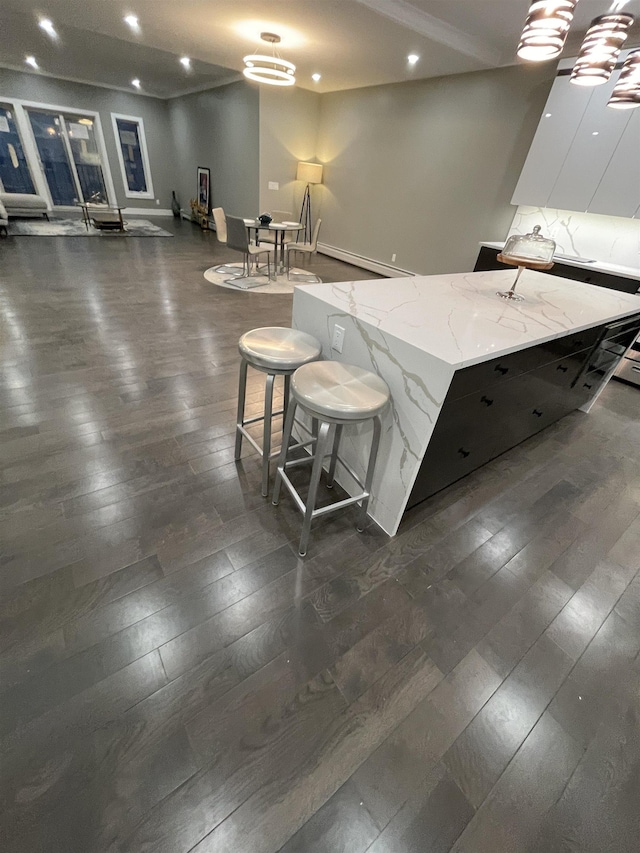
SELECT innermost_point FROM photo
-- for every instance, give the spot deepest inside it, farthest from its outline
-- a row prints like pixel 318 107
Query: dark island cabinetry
pixel 487 260
pixel 492 406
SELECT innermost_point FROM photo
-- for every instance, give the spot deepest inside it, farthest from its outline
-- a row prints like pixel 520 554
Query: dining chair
pixel 238 239
pixel 271 236
pixel 305 248
pixel 221 233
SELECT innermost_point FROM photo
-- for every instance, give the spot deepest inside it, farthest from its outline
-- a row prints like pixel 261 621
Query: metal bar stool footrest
pixel 333 395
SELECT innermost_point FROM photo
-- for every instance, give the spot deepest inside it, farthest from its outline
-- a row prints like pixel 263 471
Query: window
pixel 15 176
pixel 131 146
pixel 69 155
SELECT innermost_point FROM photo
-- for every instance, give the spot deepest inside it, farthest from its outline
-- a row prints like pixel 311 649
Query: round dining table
pixel 279 230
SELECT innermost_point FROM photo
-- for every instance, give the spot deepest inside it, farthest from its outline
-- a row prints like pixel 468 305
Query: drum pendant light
pixel 269 69
pixel 545 30
pixel 626 92
pixel 600 49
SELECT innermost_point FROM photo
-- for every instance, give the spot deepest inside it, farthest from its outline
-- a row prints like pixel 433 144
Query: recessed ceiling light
pixel 132 21
pixel 412 58
pixel 185 61
pixel 596 133
pixel 316 77
pixel 135 82
pixel 47 25
pixel 31 60
pixel 547 115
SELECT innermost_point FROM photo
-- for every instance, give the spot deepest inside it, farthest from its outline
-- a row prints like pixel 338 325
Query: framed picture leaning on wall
pixel 204 188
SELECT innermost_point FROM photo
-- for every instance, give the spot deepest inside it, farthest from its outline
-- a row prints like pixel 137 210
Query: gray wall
pixel 219 129
pixel 422 169
pixel 47 90
pixel 289 121
pixel 426 169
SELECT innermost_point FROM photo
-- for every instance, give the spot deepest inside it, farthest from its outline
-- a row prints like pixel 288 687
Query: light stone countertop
pixel 585 264
pixel 459 319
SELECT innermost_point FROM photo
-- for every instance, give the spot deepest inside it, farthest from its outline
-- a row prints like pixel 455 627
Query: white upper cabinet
pixel 591 150
pixel 558 126
pixel 618 193
pixel 585 156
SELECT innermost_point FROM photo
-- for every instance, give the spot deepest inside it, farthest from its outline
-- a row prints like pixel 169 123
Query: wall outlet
pixel 338 338
pixel 393 258
pixel 274 185
pixel 157 201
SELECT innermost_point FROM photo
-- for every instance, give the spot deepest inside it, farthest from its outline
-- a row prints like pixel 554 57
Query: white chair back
pixel 281 215
pixel 314 238
pixel 221 224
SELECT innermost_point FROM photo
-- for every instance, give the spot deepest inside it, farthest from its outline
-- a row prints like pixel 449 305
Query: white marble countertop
pixel 461 321
pixel 585 264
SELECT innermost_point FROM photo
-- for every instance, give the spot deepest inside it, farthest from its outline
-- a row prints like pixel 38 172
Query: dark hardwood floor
pixel 175 679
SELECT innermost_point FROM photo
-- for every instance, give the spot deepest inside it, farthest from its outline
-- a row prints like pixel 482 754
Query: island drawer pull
pixel 484 399
pixel 537 413
pixel 463 453
pixel 587 385
pixel 500 369
pixel 562 368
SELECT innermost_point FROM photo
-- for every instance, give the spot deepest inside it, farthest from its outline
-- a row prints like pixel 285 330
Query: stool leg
pixel 242 392
pixel 321 448
pixel 287 392
pixel 334 455
pixel 286 439
pixel 375 443
pixel 266 433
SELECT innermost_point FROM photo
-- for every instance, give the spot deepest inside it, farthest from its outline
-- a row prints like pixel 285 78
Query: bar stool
pixel 336 394
pixel 275 351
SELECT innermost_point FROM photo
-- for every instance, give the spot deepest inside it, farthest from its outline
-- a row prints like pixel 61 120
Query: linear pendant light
pixel 269 69
pixel 626 92
pixel 600 49
pixel 545 30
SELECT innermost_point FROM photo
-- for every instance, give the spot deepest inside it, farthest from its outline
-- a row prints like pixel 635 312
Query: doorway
pixel 69 156
pixel 15 176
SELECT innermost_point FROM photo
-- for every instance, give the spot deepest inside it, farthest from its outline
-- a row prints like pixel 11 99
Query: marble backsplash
pixel 610 239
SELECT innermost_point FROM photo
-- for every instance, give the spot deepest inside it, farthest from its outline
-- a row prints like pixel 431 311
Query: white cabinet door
pixel 559 124
pixel 619 191
pixel 590 152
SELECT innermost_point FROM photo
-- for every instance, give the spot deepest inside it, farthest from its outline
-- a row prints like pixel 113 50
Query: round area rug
pixel 259 283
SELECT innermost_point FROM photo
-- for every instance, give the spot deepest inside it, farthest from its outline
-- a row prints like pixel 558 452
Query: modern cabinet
pixel 592 147
pixel 615 195
pixel 495 405
pixel 558 126
pixel 584 155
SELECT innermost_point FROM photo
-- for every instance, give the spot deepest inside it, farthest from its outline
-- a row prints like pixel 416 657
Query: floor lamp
pixel 310 173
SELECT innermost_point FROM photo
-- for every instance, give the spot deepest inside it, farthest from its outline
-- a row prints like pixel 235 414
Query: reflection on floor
pixel 174 679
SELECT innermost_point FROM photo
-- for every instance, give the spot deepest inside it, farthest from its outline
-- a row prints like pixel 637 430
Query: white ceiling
pixel 352 43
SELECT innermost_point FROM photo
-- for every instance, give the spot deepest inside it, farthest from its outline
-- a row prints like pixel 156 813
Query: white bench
pixel 24 204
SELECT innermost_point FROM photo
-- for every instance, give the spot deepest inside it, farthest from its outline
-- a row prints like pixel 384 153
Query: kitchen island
pixel 470 374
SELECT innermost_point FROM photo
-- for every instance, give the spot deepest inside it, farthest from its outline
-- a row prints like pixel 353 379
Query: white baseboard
pixel 362 262
pixel 147 211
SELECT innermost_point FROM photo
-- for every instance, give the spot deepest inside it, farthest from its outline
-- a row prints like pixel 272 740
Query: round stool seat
pixel 339 391
pixel 278 348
